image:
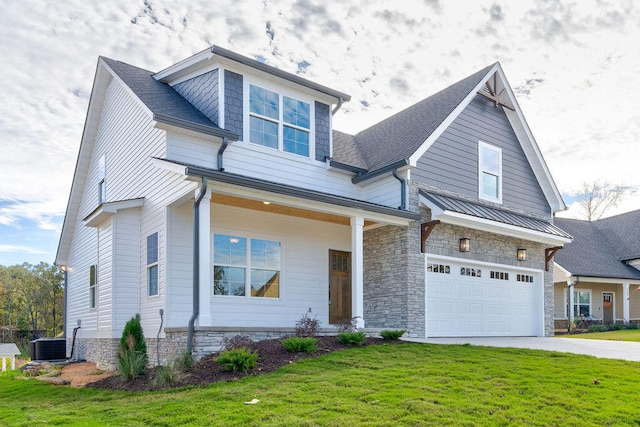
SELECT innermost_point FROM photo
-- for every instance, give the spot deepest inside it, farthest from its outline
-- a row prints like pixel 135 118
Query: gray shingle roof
pixel 600 247
pixel 399 136
pixel 454 204
pixel 165 103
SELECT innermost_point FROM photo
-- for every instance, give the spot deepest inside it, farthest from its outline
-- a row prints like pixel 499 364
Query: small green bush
pixel 238 359
pixel 355 339
pixel 616 327
pixel 597 328
pixel 300 344
pixel 392 335
pixel 132 350
pixel 632 326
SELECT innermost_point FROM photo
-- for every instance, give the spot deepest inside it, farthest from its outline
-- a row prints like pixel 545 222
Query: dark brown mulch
pixel 271 356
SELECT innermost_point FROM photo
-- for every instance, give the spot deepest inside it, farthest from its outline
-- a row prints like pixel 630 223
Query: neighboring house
pixel 214 198
pixel 598 275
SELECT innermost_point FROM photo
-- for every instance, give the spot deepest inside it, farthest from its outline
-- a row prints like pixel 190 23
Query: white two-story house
pixel 215 198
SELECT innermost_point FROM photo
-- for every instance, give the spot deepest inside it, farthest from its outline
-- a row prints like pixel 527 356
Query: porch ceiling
pixel 257 205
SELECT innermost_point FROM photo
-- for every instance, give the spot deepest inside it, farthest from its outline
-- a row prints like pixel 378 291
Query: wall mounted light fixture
pixel 465 244
pixel 522 254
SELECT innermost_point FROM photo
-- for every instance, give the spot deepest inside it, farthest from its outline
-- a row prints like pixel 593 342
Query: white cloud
pixel 24 249
pixel 580 55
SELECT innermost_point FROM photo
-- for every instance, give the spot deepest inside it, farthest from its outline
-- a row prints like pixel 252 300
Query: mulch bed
pixel 271 356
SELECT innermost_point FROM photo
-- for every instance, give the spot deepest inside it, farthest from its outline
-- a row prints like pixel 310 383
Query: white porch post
pixel 357 267
pixel 204 319
pixel 625 302
pixel 572 315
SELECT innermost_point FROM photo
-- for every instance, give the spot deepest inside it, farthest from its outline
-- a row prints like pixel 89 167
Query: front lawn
pixel 407 384
pixel 621 335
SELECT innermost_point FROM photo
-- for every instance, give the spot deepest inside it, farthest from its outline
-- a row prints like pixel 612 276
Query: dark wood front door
pixel 339 286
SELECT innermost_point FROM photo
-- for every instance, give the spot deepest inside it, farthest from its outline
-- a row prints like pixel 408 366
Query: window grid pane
pixel 228 281
pixel 152 248
pixel 153 280
pixel 264 102
pixel 263 132
pixel 296 141
pixel 489 185
pixel 265 283
pixel 296 112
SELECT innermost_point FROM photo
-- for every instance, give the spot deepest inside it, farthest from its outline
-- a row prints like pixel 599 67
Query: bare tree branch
pixel 595 198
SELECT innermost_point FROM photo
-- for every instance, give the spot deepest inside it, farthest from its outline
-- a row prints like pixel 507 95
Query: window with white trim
pixel 152 264
pixel 278 121
pixel 246 267
pixel 93 284
pixel 490 172
pixel 582 303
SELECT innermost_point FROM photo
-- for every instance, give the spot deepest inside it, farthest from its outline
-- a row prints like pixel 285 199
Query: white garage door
pixel 466 299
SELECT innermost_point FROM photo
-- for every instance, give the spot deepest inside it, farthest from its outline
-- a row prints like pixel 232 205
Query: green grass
pixel 621 335
pixel 409 384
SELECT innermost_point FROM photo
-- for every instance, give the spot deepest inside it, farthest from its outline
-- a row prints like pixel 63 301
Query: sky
pixel 573 66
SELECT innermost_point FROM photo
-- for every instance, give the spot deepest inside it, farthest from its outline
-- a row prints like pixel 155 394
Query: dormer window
pixel 490 172
pixel 278 121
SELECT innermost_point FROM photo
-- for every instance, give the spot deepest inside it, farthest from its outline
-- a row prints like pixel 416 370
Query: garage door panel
pixel 459 304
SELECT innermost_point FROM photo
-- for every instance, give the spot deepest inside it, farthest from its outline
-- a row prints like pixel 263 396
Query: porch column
pixel 625 303
pixel 357 266
pixel 204 319
pixel 572 315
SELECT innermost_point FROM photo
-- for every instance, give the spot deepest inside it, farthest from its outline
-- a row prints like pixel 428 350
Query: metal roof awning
pixel 461 212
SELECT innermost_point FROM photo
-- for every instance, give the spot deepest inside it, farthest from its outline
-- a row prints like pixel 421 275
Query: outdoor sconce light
pixel 522 255
pixel 465 244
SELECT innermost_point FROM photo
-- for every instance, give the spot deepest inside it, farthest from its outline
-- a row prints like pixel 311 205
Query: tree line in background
pixel 31 302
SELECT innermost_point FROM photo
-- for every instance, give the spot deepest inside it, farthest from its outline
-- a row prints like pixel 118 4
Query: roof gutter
pixel 225 143
pixel 389 168
pixel 403 193
pixel 340 102
pixel 196 263
pixel 346 167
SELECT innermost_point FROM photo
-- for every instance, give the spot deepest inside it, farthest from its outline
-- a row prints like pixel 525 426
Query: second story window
pixel 152 264
pixel 278 121
pixel 490 176
pixel 101 176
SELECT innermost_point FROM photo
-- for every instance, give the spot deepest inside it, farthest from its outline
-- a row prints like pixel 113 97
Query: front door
pixel 607 307
pixel 339 286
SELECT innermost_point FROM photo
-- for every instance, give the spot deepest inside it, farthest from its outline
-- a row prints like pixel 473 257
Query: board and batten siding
pixel 451 163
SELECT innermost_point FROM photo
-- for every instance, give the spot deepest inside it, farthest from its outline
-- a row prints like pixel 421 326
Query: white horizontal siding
pixel 126 265
pixel 104 303
pixel 385 191
pixel 305 268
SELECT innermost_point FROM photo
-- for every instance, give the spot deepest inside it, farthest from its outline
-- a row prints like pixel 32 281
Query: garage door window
pixel 582 306
pixel 472 272
pixel 499 275
pixel 439 268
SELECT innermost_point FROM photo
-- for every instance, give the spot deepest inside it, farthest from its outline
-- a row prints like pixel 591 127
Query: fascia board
pixel 531 148
pixel 106 210
pixel 101 80
pixel 610 280
pixel 463 220
pixel 184 67
pixel 417 155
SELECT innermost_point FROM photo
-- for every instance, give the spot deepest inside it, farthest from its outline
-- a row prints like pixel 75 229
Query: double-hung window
pixel 278 121
pixel 93 283
pixel 490 168
pixel 582 303
pixel 152 264
pixel 246 267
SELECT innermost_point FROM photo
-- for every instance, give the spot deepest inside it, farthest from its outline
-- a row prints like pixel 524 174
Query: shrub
pixel 615 327
pixel 597 328
pixel 132 351
pixel 237 341
pixel 183 361
pixel 632 326
pixel 348 325
pixel 307 327
pixel 392 335
pixel 300 344
pixel 166 375
pixel 132 363
pixel 238 359
pixel 352 338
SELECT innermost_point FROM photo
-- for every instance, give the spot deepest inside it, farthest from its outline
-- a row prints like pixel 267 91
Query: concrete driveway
pixel 598 348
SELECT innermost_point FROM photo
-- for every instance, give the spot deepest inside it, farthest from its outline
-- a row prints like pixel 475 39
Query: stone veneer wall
pixel 207 340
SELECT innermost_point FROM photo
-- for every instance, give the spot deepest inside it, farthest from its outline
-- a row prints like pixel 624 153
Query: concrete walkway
pixel 599 348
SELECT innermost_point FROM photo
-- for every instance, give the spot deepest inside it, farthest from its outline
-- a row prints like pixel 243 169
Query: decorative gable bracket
pixel 493 94
pixel 549 253
pixel 425 230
